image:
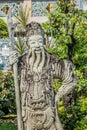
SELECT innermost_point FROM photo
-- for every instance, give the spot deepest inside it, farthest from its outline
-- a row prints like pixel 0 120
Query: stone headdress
pixel 34 28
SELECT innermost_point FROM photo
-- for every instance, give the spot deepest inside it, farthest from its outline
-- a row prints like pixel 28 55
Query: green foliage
pixel 20 46
pixel 23 17
pixel 3 29
pixel 82 83
pixel 56 84
pixel 69 29
pixel 7 96
pixel 59 50
pixel 22 20
pixel 1 113
pixel 80 51
pixel 7 126
pixel 81 125
pixel 74 116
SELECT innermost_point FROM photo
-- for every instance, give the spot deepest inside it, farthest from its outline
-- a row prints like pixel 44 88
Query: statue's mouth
pixel 37 50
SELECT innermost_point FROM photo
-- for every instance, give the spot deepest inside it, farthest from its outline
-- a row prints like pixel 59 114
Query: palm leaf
pixel 23 16
pixel 20 46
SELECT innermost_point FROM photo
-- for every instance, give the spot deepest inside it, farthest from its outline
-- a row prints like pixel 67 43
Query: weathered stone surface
pixel 38 68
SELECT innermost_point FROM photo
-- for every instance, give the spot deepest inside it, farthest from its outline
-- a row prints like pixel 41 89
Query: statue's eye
pixel 40 41
pixel 32 42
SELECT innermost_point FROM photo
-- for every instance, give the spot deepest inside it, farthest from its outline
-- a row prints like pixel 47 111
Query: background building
pixel 37 8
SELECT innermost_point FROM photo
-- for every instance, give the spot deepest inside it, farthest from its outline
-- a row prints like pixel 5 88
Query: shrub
pixel 7 95
pixel 3 29
pixel 4 125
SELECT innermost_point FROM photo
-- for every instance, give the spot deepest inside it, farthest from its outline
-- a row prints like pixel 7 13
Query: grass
pixel 7 126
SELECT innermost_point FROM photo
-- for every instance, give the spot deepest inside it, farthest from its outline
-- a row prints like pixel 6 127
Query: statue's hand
pixel 13 58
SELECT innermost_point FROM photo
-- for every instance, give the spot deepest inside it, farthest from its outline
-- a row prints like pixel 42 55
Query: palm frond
pixel 20 46
pixel 23 16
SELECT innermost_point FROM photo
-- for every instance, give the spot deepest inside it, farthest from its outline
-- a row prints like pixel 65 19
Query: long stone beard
pixel 36 60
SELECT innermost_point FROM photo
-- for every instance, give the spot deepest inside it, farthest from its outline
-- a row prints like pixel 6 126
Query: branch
pixel 73 42
pixel 67 27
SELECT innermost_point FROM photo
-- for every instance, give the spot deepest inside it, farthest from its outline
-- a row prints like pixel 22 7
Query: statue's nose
pixel 37 44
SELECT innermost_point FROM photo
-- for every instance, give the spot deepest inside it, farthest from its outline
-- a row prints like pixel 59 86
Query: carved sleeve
pixel 65 71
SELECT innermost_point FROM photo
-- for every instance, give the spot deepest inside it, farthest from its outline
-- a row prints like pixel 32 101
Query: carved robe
pixel 37 95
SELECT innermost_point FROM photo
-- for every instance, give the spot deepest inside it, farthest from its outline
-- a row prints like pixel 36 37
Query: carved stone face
pixel 36 42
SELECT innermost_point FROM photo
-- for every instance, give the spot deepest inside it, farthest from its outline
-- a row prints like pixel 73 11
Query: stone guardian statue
pixel 37 69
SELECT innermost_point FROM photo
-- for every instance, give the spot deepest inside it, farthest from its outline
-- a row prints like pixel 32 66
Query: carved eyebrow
pixel 40 38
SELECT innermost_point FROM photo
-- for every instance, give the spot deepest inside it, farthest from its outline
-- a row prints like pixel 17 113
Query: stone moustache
pixel 37 69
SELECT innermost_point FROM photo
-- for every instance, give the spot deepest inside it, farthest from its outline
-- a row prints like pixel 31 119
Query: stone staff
pixel 11 30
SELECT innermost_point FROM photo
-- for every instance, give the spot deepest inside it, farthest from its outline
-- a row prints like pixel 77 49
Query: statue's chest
pixel 40 78
pixel 39 85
